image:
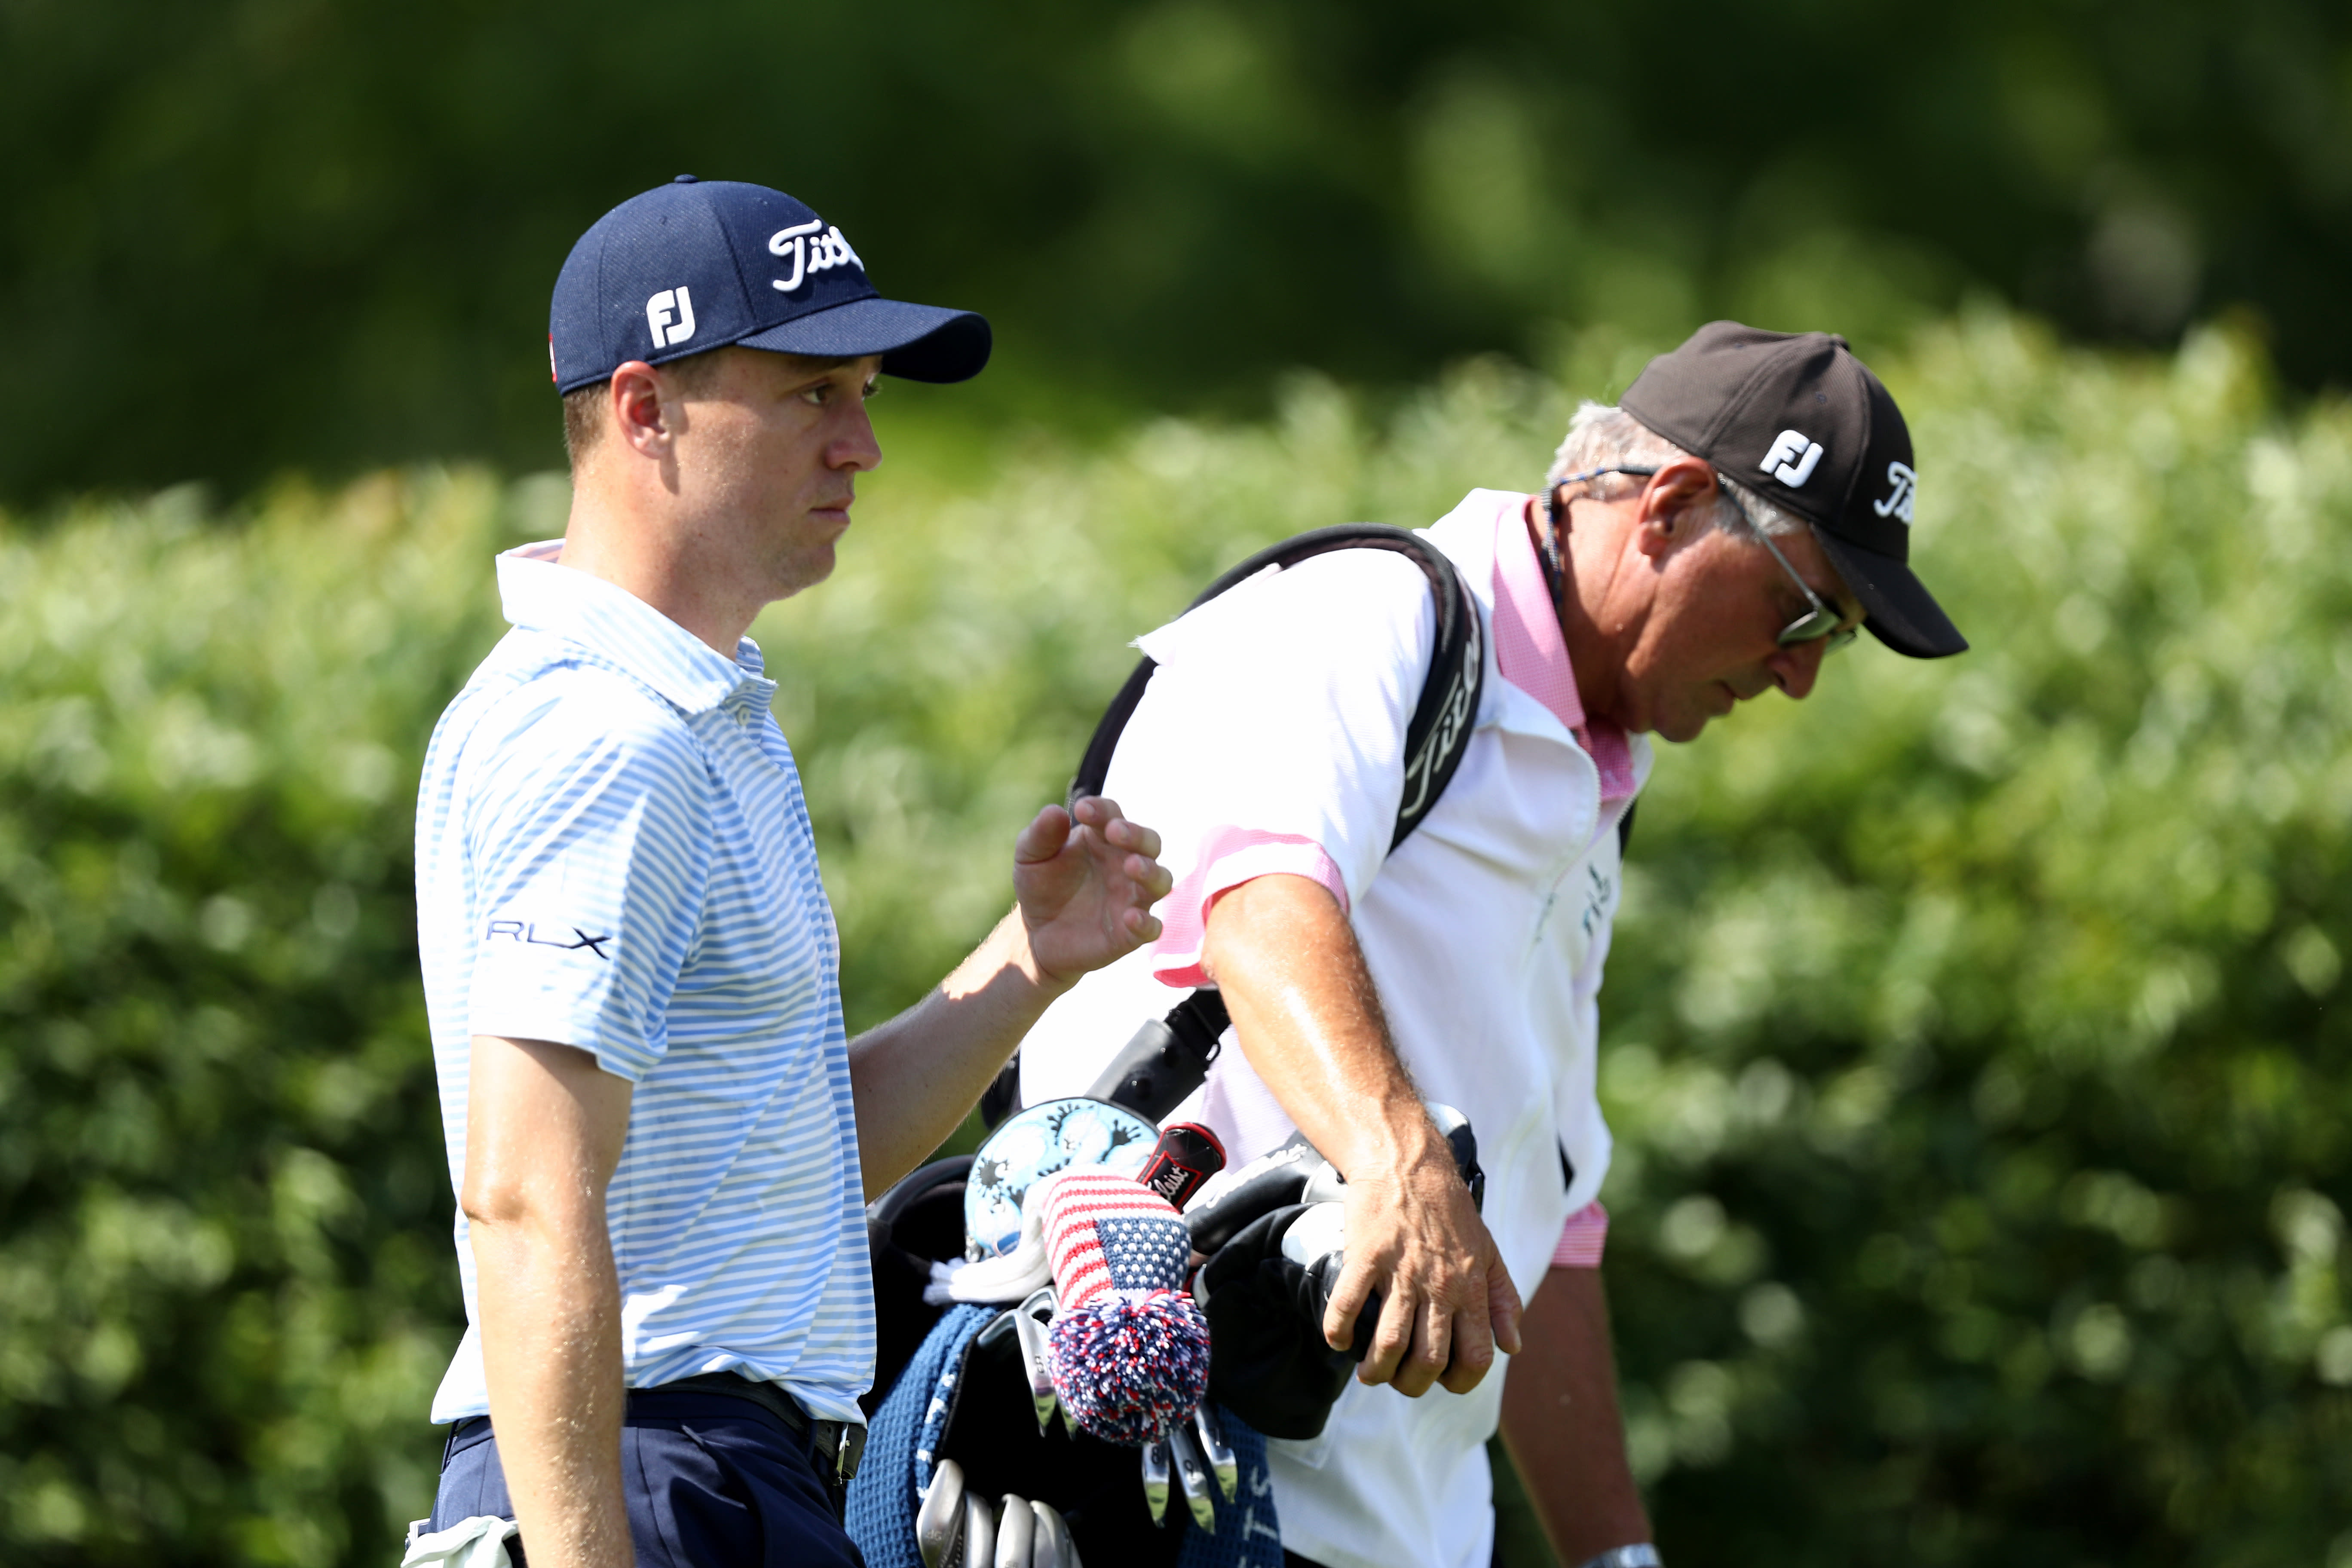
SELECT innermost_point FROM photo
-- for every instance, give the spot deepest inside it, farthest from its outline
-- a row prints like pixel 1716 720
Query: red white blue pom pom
pixel 1128 1368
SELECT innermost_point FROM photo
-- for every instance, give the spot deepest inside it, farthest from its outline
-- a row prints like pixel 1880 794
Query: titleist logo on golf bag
pixel 1421 770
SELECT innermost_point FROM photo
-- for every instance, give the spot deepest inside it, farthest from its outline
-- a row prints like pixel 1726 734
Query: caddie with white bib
pixel 1749 507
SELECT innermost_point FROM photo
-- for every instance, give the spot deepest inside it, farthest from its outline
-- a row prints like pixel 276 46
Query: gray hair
pixel 1602 436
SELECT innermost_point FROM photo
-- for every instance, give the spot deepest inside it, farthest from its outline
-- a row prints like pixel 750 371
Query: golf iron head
pixel 979 1534
pixel 1192 1474
pixel 1054 1547
pixel 938 1524
pixel 1016 1533
pixel 1155 1481
pixel 1221 1463
pixel 1031 1334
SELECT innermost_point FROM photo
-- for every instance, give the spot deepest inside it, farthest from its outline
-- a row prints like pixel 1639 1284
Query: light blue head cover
pixel 1033 1144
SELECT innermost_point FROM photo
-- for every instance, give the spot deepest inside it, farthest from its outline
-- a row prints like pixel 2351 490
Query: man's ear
pixel 638 412
pixel 1675 507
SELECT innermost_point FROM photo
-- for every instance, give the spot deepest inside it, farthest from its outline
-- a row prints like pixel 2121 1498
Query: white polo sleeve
pixel 588 834
pixel 1272 736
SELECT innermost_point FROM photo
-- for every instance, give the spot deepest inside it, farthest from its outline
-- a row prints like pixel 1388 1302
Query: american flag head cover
pixel 1109 1234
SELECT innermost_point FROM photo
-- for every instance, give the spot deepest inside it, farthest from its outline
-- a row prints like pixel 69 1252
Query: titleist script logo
pixel 527 932
pixel 1420 770
pixel 810 252
pixel 670 315
pixel 1792 459
pixel 1899 500
pixel 1600 899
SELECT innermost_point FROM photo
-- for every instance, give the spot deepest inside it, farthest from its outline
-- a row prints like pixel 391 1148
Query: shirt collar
pixel 618 628
pixel 1531 653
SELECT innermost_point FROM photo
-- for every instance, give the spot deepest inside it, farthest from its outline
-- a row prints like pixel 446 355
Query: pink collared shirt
pixel 1533 655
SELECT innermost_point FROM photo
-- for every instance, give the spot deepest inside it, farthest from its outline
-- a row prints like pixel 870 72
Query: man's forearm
pixel 1307 1017
pixel 544 1131
pixel 1561 1423
pixel 914 1079
pixel 1303 1006
pixel 550 1303
pixel 1084 881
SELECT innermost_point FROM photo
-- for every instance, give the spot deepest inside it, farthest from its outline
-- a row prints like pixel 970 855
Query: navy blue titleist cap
pixel 702 264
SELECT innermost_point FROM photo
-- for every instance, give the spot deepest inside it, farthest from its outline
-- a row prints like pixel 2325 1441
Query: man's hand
pixel 1414 1236
pixel 1086 889
pixel 1307 1017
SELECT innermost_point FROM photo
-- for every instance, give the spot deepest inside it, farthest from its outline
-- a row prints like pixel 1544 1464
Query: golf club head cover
pixel 1272 1181
pixel 1128 1349
pixel 1265 1308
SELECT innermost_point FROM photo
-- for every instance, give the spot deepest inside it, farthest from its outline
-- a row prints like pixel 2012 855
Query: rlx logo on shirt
pixel 527 932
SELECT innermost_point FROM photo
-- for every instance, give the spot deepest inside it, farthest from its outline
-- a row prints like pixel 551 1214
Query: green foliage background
pixel 1982 1123
pixel 254 236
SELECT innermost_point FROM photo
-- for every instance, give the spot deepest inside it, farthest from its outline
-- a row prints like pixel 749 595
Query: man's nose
pixel 855 446
pixel 1796 668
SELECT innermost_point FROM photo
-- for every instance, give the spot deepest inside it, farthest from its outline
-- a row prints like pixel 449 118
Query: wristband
pixel 1644 1555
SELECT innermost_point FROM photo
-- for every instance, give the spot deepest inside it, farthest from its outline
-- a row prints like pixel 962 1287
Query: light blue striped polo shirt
pixel 613 852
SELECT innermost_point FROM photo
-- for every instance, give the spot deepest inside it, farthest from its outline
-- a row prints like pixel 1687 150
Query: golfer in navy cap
pixel 661 1140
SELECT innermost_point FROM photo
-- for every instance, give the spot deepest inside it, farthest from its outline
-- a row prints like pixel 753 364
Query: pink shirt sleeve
pixel 1269 739
pixel 1229 856
pixel 1582 1238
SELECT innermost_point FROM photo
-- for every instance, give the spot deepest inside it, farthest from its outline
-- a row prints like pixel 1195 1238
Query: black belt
pixel 839 1445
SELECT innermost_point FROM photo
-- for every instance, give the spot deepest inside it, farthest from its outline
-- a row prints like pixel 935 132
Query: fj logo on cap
pixel 1793 458
pixel 1899 500
pixel 670 316
pixel 811 251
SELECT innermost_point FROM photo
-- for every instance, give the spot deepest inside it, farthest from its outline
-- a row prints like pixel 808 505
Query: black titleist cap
pixel 1795 416
pixel 703 264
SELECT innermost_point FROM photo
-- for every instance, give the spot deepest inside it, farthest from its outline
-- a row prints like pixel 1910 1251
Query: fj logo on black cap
pixel 670 316
pixel 810 252
pixel 1793 458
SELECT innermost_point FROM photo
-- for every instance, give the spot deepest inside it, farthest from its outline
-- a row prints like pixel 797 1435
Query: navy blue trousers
pixel 712 1481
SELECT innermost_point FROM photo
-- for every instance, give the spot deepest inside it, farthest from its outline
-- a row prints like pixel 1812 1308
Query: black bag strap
pixel 1439 732
pixel 1169 1058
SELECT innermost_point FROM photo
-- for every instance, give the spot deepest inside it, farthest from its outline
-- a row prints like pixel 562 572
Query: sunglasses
pixel 1820 620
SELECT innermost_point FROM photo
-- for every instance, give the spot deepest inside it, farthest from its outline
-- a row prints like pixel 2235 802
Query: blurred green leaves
pixel 1992 998
pixel 273 234
pixel 223 1278
pixel 1980 1102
